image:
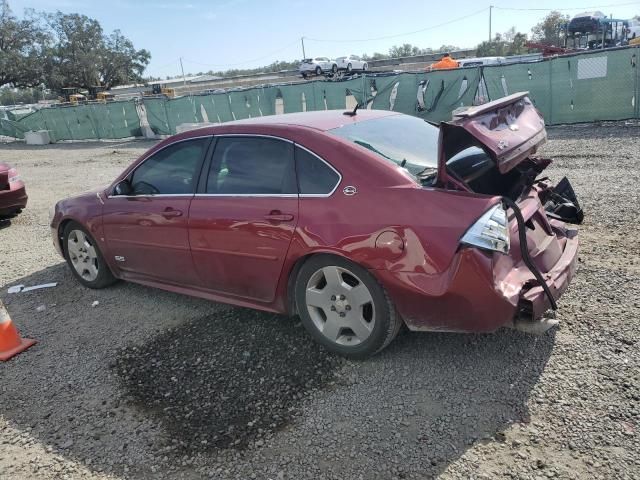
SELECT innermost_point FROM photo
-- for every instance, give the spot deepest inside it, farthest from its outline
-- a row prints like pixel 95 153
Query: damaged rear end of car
pixel 13 195
pixel 490 150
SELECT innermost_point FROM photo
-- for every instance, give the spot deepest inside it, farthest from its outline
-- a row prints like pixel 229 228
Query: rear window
pixel 401 139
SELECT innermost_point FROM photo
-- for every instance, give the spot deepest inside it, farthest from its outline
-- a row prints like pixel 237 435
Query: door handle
pixel 171 213
pixel 278 216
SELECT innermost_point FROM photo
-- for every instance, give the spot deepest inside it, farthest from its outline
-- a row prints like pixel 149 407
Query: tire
pixel 318 71
pixel 349 68
pixel 365 67
pixel 84 257
pixel 344 308
pixel 334 68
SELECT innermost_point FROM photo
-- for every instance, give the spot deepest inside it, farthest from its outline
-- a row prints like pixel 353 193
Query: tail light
pixel 13 176
pixel 490 232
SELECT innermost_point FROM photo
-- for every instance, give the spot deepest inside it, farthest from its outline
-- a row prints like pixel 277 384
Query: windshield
pixel 406 141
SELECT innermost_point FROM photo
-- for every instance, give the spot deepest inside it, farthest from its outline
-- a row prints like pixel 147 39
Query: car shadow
pixel 128 379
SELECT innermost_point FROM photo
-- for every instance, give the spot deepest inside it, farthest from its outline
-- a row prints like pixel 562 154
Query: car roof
pixel 320 120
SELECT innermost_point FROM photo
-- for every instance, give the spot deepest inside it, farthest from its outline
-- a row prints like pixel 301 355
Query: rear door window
pixel 247 165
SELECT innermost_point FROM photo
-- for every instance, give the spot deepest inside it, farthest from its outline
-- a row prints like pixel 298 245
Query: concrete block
pixel 41 137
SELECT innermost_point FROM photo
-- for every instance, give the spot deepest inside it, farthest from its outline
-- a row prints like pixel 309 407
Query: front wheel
pixel 344 307
pixel 85 259
pixel 318 71
pixel 334 69
pixel 365 67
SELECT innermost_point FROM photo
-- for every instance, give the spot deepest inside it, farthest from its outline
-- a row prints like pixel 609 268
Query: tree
pixel 120 63
pixel 444 49
pixel 550 30
pixel 21 46
pixel 375 56
pixel 503 44
pixel 82 56
pixel 404 50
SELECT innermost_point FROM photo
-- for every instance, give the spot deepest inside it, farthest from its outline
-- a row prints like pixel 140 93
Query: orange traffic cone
pixel 10 341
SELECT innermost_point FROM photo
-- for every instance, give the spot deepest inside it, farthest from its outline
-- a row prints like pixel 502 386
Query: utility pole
pixel 303 54
pixel 490 9
pixel 184 79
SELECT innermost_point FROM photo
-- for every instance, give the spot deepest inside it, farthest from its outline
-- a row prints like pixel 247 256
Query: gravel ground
pixel 149 384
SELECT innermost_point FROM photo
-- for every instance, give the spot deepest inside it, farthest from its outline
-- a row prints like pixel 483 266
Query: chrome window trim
pixel 282 195
pixel 244 195
pixel 144 159
pixel 160 195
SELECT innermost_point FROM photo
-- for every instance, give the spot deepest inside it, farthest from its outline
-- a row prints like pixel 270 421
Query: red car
pixel 357 221
pixel 13 195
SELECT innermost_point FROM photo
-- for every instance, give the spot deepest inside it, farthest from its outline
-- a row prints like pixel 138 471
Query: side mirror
pixel 123 188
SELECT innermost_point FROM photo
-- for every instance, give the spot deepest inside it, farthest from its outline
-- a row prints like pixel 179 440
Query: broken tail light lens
pixel 490 232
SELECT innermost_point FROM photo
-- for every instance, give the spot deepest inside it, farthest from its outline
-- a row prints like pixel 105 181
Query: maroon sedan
pixel 13 195
pixel 357 222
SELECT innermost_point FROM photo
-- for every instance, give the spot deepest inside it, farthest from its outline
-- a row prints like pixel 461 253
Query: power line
pixel 244 62
pixel 171 63
pixel 572 8
pixel 399 34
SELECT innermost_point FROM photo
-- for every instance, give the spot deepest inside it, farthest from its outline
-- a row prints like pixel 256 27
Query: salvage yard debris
pixel 23 289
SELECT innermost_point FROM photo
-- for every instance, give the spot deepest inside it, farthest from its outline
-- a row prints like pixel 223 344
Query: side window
pixel 252 166
pixel 315 177
pixel 171 171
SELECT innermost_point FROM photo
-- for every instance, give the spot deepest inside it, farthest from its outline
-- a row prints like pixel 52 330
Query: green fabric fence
pixel 81 122
pixel 586 87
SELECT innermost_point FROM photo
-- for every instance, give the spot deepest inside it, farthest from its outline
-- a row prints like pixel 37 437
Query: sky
pixel 222 34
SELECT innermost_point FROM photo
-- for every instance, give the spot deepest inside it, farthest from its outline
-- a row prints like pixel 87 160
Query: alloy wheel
pixel 340 305
pixel 83 255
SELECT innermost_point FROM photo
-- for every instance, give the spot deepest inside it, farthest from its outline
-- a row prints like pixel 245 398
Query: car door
pixel 241 222
pixel 146 230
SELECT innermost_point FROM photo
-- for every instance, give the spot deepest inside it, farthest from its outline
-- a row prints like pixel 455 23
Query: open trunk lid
pixel 509 130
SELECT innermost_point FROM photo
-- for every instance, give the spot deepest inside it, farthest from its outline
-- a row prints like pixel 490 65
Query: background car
pixel 633 29
pixel 351 62
pixel 318 66
pixel 13 195
pixel 358 223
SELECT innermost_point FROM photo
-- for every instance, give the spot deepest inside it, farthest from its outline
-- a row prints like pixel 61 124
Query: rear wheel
pixel 344 307
pixel 334 69
pixel 349 67
pixel 85 259
pixel 365 67
pixel 318 71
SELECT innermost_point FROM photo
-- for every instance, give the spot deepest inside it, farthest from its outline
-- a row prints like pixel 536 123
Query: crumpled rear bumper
pixel 534 301
pixel 478 294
